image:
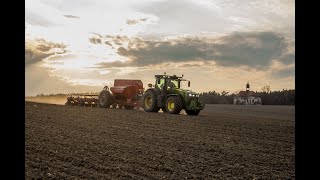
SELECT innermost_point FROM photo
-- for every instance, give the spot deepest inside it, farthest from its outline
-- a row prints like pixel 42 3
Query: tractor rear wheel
pixel 105 99
pixel 150 102
pixel 173 105
pixel 193 112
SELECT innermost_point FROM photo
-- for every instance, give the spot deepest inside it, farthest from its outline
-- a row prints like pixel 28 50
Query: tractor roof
pixel 168 76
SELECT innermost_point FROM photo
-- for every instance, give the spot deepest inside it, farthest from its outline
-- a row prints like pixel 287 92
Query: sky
pixel 83 45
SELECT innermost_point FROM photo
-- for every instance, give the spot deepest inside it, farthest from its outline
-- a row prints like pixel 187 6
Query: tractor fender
pixel 155 90
pixel 151 89
pixel 182 99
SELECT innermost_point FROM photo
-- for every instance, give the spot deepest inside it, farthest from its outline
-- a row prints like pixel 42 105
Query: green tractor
pixel 167 95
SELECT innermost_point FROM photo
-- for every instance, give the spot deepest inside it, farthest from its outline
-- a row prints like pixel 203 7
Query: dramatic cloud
pixel 38 50
pixel 225 42
pixel 252 49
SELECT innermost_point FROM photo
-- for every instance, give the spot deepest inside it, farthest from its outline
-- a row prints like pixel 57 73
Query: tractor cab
pixel 169 82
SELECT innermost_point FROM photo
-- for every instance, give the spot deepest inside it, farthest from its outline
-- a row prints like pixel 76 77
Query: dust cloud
pixel 61 100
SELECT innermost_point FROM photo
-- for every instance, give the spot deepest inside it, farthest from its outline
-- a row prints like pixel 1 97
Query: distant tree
pixel 266 89
pixel 224 93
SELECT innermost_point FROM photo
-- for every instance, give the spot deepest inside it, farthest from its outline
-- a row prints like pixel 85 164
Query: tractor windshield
pixel 175 83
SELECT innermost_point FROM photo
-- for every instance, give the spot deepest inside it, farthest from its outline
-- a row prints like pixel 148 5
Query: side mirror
pixel 188 83
pixel 158 81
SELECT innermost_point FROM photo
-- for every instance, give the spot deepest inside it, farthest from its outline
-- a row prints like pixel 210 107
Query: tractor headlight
pixel 192 95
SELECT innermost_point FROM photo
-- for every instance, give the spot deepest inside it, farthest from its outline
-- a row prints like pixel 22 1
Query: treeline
pixel 213 97
pixel 284 97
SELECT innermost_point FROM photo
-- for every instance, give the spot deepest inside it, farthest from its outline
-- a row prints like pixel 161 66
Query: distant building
pixel 247 97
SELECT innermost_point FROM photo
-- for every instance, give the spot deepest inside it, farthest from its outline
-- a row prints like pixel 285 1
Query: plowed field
pixel 222 142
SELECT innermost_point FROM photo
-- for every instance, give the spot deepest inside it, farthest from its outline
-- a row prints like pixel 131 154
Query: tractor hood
pixel 189 93
pixel 192 94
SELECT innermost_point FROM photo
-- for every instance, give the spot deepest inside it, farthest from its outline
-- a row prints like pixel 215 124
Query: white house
pixel 247 97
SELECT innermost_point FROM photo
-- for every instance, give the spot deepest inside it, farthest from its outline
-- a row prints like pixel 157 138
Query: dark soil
pixel 222 142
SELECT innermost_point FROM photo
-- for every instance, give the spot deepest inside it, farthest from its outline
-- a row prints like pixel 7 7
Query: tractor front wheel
pixel 174 105
pixel 150 102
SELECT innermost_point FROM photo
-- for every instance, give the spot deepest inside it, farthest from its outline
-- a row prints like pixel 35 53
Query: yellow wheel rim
pixel 148 102
pixel 170 105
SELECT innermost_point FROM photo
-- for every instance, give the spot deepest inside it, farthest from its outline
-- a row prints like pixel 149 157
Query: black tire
pixel 128 107
pixel 150 102
pixel 164 110
pixel 86 104
pixel 114 105
pixel 105 99
pixel 177 105
pixel 193 112
pixel 120 106
pixel 81 103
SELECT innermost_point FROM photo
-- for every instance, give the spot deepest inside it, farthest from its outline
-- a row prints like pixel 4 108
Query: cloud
pixel 108 43
pixel 251 49
pixel 32 57
pixel 132 22
pixel 284 73
pixel 220 16
pixel 95 40
pixel 192 65
pixel 287 58
pixel 35 19
pixel 39 49
pixel 135 21
pixel 71 16
pixel 112 41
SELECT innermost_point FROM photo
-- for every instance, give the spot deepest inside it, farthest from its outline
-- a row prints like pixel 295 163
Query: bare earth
pixel 223 142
